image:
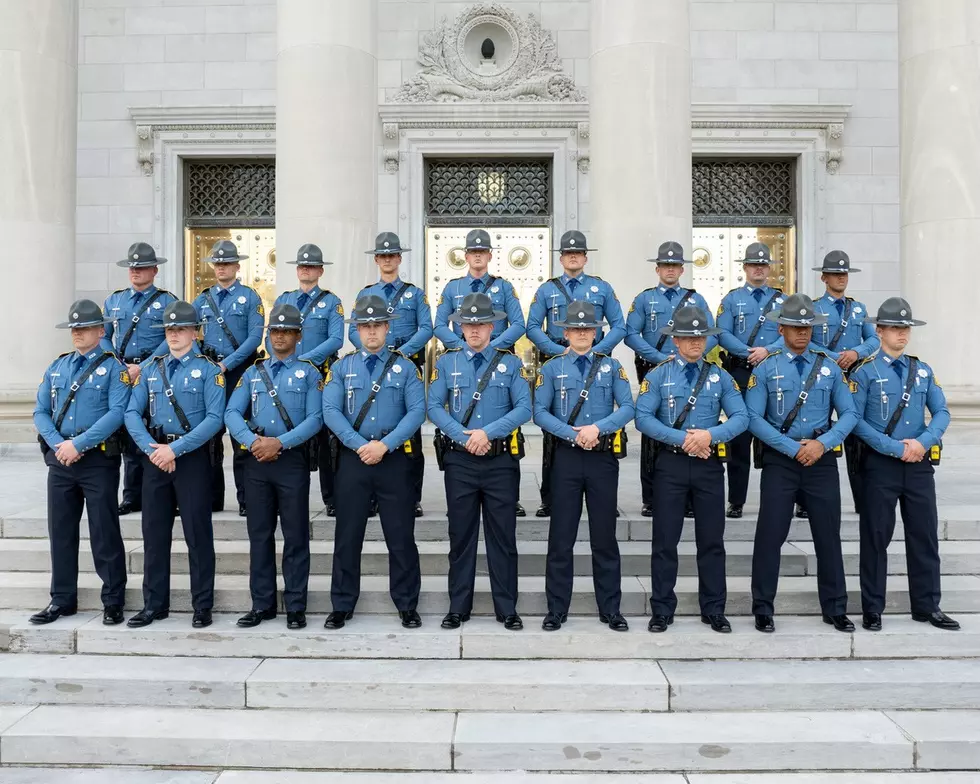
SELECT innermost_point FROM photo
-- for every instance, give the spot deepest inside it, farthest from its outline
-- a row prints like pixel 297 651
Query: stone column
pixel 326 138
pixel 939 55
pixel 38 118
pixel 640 117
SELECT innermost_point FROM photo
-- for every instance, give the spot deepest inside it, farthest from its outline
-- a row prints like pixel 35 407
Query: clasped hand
pixel 914 451
pixel 372 452
pixel 810 452
pixel 163 457
pixel 587 436
pixel 697 443
pixel 478 444
pixel 266 449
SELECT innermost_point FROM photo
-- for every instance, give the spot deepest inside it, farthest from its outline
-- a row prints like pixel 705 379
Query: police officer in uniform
pixel 323 336
pixel 550 306
pixel 746 331
pixel 410 333
pixel 893 390
pixel 176 409
pixel 478 398
pixel 679 406
pixel 233 316
pixel 791 397
pixel 281 398
pixel 132 314
pixel 80 406
pixel 583 400
pixel 374 402
pixel 652 311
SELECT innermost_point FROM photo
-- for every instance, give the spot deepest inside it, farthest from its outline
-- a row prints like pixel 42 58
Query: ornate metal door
pixel 258 271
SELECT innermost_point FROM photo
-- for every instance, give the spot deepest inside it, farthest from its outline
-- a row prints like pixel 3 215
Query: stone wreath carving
pixel 532 71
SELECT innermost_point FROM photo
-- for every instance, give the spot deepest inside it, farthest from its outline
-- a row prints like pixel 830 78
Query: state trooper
pixel 233 317
pixel 80 406
pixel 275 413
pixel 131 315
pixel 175 411
pixel 746 331
pixel 893 390
pixel 653 310
pixel 847 336
pixel 410 333
pixel 373 403
pixel 791 397
pixel 479 398
pixel 550 306
pixel 583 400
pixel 679 407
pixel 322 314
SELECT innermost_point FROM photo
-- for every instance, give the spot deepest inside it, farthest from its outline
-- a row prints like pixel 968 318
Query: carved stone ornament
pixel 529 67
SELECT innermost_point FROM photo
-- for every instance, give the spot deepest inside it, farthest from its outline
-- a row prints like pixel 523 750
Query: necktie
pixel 137 298
pixel 670 294
pixel 757 293
pixel 800 363
pixel 573 284
pixel 389 289
pixel 371 362
pixel 304 298
pixel 476 285
pixel 839 304
pixel 582 363
pixel 690 371
pixel 276 368
pixel 76 364
pixel 899 367
pixel 222 296
pixel 478 362
pixel 172 366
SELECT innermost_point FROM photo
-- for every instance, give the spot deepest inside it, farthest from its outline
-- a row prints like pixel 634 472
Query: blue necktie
pixel 839 304
pixel 476 285
pixel 302 300
pixel 76 364
pixel 757 293
pixel 371 362
pixel 670 294
pixel 137 298
pixel 389 289
pixel 582 363
pixel 899 367
pixel 222 296
pixel 276 369
pixel 172 366
pixel 478 362
pixel 573 284
pixel 800 363
pixel 690 371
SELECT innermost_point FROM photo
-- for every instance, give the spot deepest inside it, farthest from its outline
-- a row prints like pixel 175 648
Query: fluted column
pixel 38 119
pixel 939 54
pixel 640 117
pixel 326 137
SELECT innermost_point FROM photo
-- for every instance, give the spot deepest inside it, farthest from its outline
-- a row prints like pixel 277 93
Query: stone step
pixel 303 777
pixel 111 776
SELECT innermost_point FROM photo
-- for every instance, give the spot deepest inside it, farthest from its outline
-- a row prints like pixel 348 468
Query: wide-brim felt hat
pixel 573 242
pixel 309 255
pixel 670 253
pixel 179 314
pixel 836 262
pixel 285 317
pixel 689 322
pixel 579 314
pixel 84 313
pixel 757 253
pixel 797 310
pixel 141 254
pixel 478 239
pixel 477 308
pixel 371 309
pixel 225 252
pixel 895 312
pixel 387 244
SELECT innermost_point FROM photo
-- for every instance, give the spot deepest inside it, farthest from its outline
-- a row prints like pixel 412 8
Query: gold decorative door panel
pixel 257 271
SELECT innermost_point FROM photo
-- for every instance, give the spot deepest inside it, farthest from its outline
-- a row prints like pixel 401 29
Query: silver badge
pixel 221 253
pixel 581 315
pixel 242 300
pixel 74 315
pixel 825 371
pixel 923 373
pixel 370 311
pixel 762 254
pixel 501 368
pixel 300 374
pixel 408 295
pixel 858 310
pixel 779 301
pixel 173 316
pixel 136 257
pixel 495 289
pixel 670 253
pixel 397 368
pixel 157 306
pixel 282 318
pixel 101 371
pixel 571 242
pixel 321 304
pixel 714 378
pixel 306 255
pixel 841 262
pixel 473 309
pixel 606 368
pixel 195 373
pixel 387 243
pixel 595 289
pixel 696 323
pixel 904 313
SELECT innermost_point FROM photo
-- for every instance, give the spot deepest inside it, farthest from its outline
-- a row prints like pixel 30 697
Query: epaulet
pixel 451 350
pixel 349 354
pixel 65 354
pixel 773 353
pixel 861 363
pixel 661 364
pixel 596 277
pixel 201 356
pixel 849 299
pixel 552 359
pixel 506 351
pixel 820 352
pixel 693 291
pixel 912 356
pixel 164 291
pixel 652 288
pixel 117 291
pixel 158 356
pixel 732 291
pixel 453 280
pixel 775 289
pixel 310 363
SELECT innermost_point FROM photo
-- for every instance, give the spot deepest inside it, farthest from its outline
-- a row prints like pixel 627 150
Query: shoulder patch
pixel 260 308
pixel 434 376
pixel 240 382
pixel 622 373
pixel 418 372
pixel 527 373
pixel 340 308
pixel 219 379
pixel 124 377
pixel 644 387
pixel 539 382
pixel 326 378
pixel 853 386
pixel 721 309
pixel 632 306
pixel 752 382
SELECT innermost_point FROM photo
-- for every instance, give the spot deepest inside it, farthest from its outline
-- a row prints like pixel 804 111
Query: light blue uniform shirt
pixel 505 332
pixel 859 334
pixel 242 311
pixel 120 308
pixel 775 386
pixel 99 405
pixel 550 306
pixel 409 333
pixel 503 407
pixel 559 386
pixel 879 391
pixel 664 394
pixel 738 315
pixel 323 326
pixel 199 388
pixel 397 411
pixel 651 311
pixel 297 385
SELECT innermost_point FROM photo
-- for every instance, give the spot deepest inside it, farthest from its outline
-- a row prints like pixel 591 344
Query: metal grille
pixel 744 192
pixel 230 193
pixel 489 192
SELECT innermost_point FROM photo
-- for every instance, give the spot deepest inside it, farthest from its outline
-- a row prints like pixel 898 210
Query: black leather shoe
pixel 543 511
pixel 112 615
pixel 201 619
pixel 242 511
pixel 255 617
pixel 511 622
pixel 871 622
pixel 765 624
pixel 410 618
pixel 337 619
pixel 296 620
pixel 552 621
pixel 734 511
pixel 801 513
pixel 418 510
pixel 145 617
pixel 647 510
pixel 718 623
pixel 659 623
pixel 939 619
pixel 126 508
pixel 520 511
pixel 331 510
pixel 689 512
pixel 616 622
pixel 374 509
pixel 454 620
pixel 52 613
pixel 840 622
pixel 217 507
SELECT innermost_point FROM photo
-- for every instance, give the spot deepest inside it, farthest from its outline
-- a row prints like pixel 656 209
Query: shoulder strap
pixel 271 387
pixel 76 385
pixel 313 303
pixel 136 320
pixel 702 377
pixel 843 326
pixel 564 291
pixel 906 397
pixel 168 390
pixel 584 394
pixel 375 388
pixel 398 297
pixel 762 317
pixel 804 394
pixel 221 320
pixel 480 389
pixel 687 295
pixel 490 281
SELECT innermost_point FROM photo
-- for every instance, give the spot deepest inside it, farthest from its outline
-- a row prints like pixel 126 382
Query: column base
pixel 17 414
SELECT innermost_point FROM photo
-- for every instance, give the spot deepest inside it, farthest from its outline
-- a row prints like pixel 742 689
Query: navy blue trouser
pixel 188 487
pixel 92 482
pixel 132 460
pixel 594 475
pixel 278 489
pixel 888 480
pixel 782 479
pixel 740 448
pixel 488 485
pixel 390 483
pixel 674 477
pixel 237 455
